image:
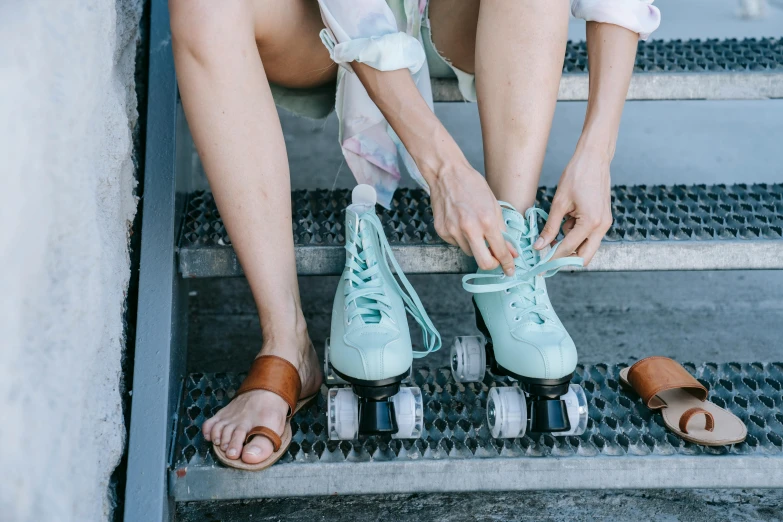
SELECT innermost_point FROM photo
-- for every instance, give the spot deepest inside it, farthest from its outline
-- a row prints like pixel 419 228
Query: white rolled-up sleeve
pixel 639 16
pixel 371 32
pixel 366 31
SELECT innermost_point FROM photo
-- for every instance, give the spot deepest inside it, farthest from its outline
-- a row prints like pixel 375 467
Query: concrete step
pixel 625 444
pixel 698 227
pixel 746 69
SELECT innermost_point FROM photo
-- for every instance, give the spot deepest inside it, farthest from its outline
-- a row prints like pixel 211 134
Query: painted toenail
pixel 232 453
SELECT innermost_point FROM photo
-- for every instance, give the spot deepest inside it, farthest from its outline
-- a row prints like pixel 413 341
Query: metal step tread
pixel 677 70
pixel 698 227
pixel 625 444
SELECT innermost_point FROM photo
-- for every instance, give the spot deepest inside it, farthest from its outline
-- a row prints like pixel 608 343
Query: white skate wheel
pixel 468 359
pixel 576 406
pixel 332 378
pixel 409 412
pixel 506 412
pixel 342 414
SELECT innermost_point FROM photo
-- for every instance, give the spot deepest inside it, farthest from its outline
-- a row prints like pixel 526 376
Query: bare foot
pixel 228 427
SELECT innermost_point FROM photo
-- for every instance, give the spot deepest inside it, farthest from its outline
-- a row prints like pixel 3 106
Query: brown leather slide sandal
pixel 280 377
pixel 663 384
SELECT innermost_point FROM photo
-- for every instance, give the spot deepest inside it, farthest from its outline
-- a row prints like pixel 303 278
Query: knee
pixel 201 26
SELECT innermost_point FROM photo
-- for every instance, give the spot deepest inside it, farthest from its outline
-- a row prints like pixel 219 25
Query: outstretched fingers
pixel 484 258
pixel 552 227
pixel 501 251
pixel 573 240
pixel 582 237
pixel 489 247
pixel 480 236
pixel 588 249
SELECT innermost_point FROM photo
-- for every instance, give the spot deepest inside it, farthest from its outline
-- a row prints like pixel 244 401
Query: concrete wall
pixel 67 107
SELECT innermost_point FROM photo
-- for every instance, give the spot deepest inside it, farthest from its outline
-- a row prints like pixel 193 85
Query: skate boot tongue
pixel 522 231
pixel 363 199
pixel 517 227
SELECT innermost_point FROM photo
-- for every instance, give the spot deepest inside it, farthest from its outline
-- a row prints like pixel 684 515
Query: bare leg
pixel 518 60
pixel 224 53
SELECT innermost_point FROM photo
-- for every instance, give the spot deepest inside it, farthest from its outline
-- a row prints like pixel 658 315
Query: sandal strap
pixel 263 431
pixel 274 374
pixel 652 375
pixel 688 414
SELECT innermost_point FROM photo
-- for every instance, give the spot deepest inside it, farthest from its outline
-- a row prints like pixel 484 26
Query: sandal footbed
pixel 728 429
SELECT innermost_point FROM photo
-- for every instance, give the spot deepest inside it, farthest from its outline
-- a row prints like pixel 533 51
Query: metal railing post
pixel 159 354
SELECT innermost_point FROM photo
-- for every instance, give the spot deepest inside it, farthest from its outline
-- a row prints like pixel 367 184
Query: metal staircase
pixel 730 69
pixel 625 445
pixel 656 228
pixel 697 227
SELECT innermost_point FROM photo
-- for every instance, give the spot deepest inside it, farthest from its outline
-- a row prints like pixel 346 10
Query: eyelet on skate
pixel 349 322
pixel 507 290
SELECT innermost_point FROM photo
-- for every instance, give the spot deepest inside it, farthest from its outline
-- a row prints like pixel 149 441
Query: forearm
pixel 611 51
pixel 424 136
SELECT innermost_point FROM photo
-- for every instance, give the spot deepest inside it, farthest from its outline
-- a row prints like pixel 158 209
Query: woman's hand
pixel 584 192
pixel 468 215
pixel 583 196
pixel 465 210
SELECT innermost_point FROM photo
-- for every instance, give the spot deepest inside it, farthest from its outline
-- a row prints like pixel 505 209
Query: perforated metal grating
pixel 455 420
pixel 730 69
pixel 641 213
pixel 750 54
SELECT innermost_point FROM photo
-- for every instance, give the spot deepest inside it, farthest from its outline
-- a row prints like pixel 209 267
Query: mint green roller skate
pixel 523 339
pixel 370 345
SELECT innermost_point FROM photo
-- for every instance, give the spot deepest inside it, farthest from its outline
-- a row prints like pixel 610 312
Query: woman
pixel 507 54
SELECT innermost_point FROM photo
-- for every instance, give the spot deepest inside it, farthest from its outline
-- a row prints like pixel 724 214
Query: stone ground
pixel 662 505
pixel 691 316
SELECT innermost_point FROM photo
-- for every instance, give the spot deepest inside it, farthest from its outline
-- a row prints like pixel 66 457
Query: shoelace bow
pixel 526 269
pixel 366 290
